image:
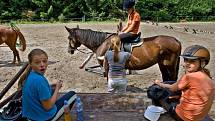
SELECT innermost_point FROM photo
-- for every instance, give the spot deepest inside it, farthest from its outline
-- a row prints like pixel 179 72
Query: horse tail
pixel 23 42
pixel 21 37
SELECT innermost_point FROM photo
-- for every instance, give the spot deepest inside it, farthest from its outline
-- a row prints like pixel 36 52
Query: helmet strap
pixel 201 64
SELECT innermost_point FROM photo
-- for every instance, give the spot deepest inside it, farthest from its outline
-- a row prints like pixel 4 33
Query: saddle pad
pixel 128 47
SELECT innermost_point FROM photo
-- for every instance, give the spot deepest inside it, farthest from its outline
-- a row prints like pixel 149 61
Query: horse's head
pixel 74 42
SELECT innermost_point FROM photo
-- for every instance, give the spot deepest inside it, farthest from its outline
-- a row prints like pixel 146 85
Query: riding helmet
pixel 128 4
pixel 197 52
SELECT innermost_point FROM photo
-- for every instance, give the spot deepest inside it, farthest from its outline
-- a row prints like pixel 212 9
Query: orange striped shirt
pixel 134 17
pixel 198 92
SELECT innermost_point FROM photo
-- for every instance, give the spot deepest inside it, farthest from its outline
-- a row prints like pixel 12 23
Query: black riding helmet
pixel 197 52
pixel 128 4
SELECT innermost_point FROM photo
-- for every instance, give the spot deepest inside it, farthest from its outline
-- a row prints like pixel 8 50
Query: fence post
pixel 83 18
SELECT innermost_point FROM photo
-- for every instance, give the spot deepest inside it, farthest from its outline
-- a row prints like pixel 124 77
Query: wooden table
pixel 115 107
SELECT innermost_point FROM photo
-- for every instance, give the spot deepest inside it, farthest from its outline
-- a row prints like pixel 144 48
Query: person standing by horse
pixel 197 86
pixel 39 100
pixel 130 31
pixel 114 65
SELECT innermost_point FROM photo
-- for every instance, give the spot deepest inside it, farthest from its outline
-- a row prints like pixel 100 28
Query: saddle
pixel 127 47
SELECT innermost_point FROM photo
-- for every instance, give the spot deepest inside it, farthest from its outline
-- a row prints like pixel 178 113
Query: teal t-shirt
pixel 36 89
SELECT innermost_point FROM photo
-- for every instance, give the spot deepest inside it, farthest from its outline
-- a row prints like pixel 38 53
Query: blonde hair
pixel 202 67
pixel 206 71
pixel 115 45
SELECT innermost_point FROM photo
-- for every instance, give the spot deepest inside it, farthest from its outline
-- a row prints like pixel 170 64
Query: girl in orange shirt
pixel 130 31
pixel 197 87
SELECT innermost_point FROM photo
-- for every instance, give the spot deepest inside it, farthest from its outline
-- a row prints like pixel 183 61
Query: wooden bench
pixel 115 107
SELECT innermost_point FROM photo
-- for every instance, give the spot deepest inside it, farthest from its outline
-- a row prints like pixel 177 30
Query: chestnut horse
pixel 9 35
pixel 164 50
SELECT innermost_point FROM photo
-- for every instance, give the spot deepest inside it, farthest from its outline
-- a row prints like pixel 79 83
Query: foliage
pixel 61 18
pixel 98 10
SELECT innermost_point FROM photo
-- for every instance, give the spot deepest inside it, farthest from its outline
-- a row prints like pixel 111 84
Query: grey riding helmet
pixel 197 52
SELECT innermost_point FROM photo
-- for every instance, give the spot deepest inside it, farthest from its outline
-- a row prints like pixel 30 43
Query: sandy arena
pixel 63 66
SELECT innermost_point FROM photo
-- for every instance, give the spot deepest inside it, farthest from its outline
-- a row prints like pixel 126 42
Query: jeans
pixel 117 85
pixel 127 37
pixel 69 96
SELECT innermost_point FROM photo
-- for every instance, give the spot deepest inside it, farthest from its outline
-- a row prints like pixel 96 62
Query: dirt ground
pixel 53 39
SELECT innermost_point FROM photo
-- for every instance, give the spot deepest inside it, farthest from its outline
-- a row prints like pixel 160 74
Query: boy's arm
pixel 48 104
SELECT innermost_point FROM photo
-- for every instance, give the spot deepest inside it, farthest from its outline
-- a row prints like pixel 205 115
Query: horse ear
pixel 68 29
pixel 78 26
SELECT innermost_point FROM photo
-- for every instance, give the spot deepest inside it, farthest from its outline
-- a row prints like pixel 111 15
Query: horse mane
pixel 149 38
pixel 90 37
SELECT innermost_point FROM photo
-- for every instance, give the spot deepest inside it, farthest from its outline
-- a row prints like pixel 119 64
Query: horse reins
pixel 92 52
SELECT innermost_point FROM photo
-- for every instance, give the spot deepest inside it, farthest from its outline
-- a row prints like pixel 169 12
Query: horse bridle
pixel 79 50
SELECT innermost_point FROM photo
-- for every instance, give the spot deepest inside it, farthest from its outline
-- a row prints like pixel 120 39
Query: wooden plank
pixel 115 107
pixel 12 82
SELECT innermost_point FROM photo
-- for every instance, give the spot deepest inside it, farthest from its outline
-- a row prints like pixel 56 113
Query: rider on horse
pixel 130 31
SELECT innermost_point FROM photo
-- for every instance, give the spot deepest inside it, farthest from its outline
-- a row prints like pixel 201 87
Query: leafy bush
pixel 61 18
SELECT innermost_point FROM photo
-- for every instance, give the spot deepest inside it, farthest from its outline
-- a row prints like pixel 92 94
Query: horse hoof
pixel 81 67
pixel 13 63
pixel 132 72
pixel 19 63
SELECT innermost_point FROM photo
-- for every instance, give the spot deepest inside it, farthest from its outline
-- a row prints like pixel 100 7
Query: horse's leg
pixel 18 58
pixel 164 71
pixel 86 61
pixel 173 66
pixel 11 48
pixel 169 68
pixel 15 54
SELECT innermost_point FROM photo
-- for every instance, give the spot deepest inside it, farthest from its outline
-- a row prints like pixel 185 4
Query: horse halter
pixel 70 48
pixel 72 37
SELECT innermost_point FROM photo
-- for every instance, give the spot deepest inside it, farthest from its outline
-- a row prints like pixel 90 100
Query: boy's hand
pixel 59 84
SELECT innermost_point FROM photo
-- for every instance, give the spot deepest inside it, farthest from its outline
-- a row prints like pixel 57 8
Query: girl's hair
pixel 202 67
pixel 115 45
pixel 206 71
pixel 36 52
pixel 28 69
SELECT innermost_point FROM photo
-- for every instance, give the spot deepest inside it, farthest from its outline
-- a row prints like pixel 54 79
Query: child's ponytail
pixel 116 47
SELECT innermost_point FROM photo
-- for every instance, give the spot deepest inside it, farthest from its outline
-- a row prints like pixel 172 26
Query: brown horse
pixel 164 50
pixel 9 35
